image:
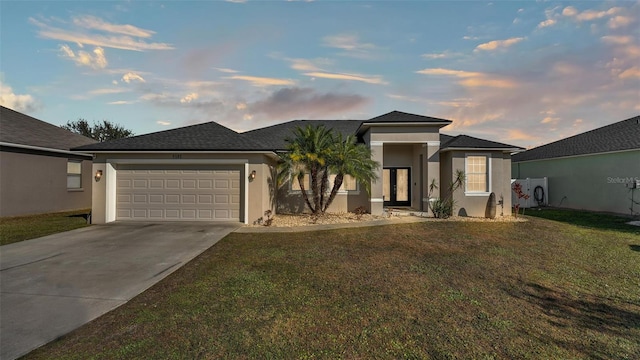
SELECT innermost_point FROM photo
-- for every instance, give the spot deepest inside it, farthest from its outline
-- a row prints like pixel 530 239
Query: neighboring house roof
pixel 619 136
pixel 275 136
pixel 20 129
pixel 209 136
pixel 448 142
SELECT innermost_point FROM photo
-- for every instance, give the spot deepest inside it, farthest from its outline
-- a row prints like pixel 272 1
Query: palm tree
pixel 353 159
pixel 318 152
pixel 308 151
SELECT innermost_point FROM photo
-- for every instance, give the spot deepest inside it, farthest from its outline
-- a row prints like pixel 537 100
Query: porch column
pixel 376 198
pixel 433 170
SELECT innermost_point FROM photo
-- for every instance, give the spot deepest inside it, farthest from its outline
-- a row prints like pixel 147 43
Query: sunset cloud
pixel 81 34
pixel 369 79
pixel 633 72
pixel 620 21
pixel 499 44
pixel 95 23
pixel 471 78
pixel 351 45
pixel 288 103
pixel 617 40
pixel 547 23
pixel 131 76
pixel 262 81
pixel 17 102
pixel 96 60
pixel 106 91
pixel 590 15
pixel 189 98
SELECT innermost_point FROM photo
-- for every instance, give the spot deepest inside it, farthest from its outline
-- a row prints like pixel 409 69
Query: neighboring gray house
pixel 588 171
pixel 38 173
pixel 208 172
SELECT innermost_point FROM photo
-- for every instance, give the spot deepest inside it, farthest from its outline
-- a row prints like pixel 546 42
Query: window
pixel 74 174
pixel 348 183
pixel 477 172
pixel 295 185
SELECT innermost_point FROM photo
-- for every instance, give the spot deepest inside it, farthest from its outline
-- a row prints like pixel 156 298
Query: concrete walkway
pixel 52 285
pixel 390 221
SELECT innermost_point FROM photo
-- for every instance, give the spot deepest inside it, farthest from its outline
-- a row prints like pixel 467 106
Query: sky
pixel 524 73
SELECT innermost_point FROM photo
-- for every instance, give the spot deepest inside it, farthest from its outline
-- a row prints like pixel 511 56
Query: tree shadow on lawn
pixel 589 219
pixel 598 320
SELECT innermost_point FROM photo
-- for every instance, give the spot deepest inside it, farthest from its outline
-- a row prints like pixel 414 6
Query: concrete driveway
pixel 54 284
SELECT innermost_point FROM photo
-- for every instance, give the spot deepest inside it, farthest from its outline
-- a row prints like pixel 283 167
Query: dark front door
pixel 395 184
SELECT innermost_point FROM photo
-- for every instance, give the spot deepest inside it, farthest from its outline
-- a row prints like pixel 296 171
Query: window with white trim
pixel 349 183
pixel 74 174
pixel 477 174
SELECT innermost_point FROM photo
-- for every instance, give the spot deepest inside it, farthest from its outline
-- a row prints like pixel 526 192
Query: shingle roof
pixel 274 136
pixel 209 136
pixel 399 116
pixel 21 129
pixel 212 136
pixel 619 136
pixel 470 142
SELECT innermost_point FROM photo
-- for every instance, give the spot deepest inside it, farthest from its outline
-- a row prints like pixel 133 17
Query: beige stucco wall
pixel 292 201
pixel 594 182
pixel 473 204
pixel 35 184
pixel 259 190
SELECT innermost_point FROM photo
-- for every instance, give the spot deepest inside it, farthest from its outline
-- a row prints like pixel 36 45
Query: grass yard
pixel 537 290
pixel 19 228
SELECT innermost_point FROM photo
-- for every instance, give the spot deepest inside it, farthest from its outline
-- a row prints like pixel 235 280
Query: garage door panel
pixel 222 199
pixel 177 194
pixel 188 199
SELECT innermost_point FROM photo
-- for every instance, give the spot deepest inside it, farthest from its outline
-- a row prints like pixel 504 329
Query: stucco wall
pixel 35 184
pixel 473 204
pixel 593 182
pixel 292 202
pixel 402 146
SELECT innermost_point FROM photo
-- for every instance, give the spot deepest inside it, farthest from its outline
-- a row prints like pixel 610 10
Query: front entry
pixel 395 185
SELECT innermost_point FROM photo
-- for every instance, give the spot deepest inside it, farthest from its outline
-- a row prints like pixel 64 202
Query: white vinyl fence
pixel 537 189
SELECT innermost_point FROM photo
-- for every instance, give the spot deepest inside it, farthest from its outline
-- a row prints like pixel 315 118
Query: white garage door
pixel 158 193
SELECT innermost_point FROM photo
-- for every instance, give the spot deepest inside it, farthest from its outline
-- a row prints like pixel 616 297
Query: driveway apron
pixel 54 284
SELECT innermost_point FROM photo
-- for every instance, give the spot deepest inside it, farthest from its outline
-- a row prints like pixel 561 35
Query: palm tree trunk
pixel 314 189
pixel 334 191
pixel 323 187
pixel 304 192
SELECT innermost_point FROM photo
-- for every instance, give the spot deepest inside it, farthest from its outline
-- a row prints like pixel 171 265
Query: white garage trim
pixel 111 178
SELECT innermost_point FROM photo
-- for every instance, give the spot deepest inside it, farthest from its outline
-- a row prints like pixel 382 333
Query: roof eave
pixel 39 148
pixel 509 150
pixel 365 125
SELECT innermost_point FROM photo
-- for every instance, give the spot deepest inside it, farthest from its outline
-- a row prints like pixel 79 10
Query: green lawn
pixel 19 228
pixel 536 290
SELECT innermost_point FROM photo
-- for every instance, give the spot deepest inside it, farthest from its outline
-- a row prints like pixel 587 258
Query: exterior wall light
pixel 98 175
pixel 252 176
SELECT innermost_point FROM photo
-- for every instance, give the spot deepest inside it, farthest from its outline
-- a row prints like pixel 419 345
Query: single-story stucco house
pixel 208 172
pixel 593 170
pixel 38 172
